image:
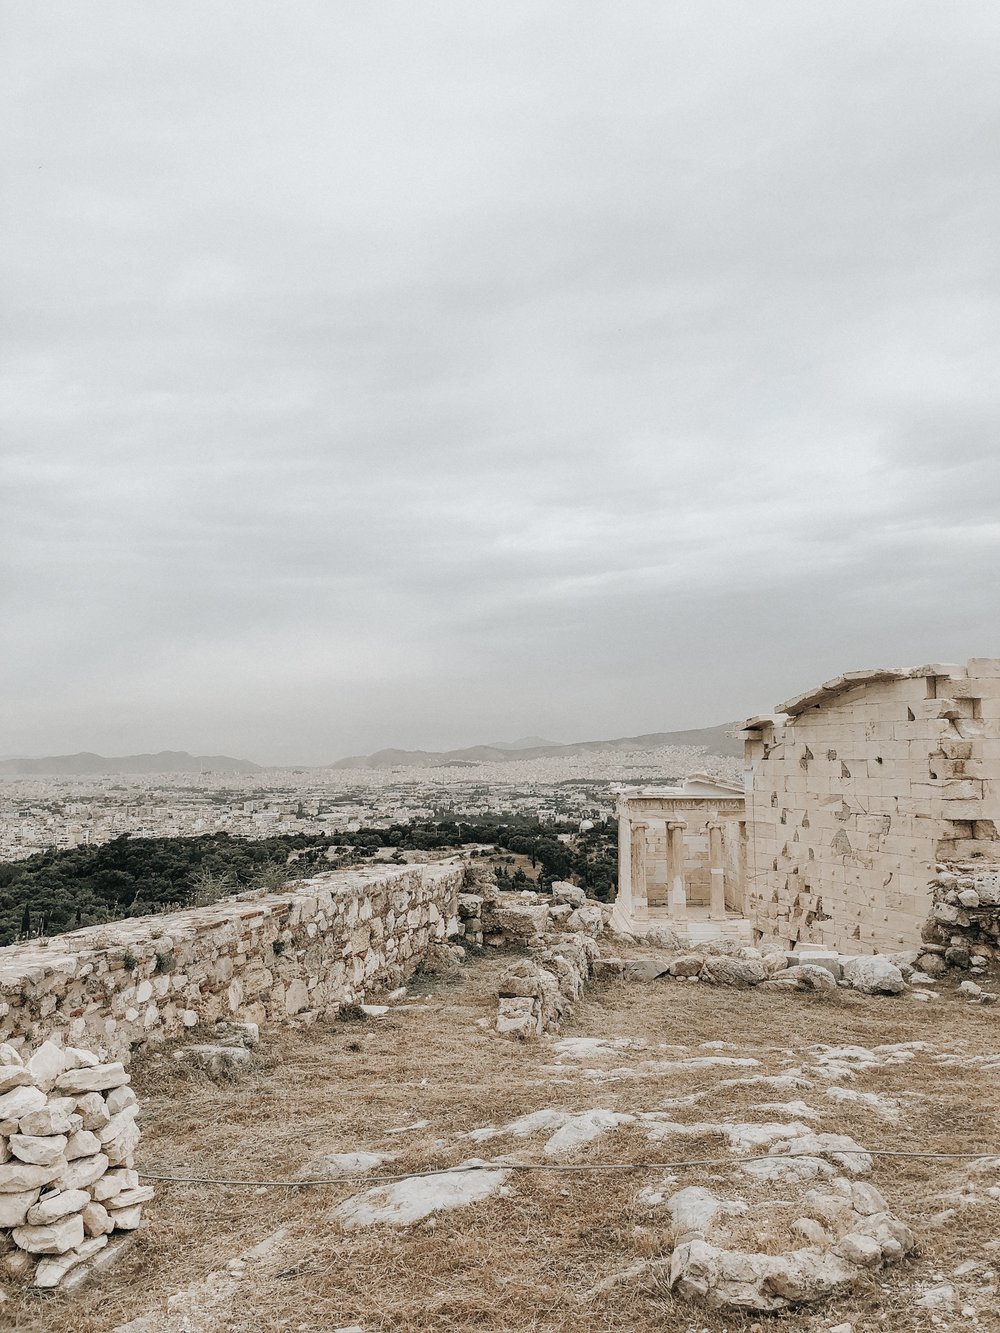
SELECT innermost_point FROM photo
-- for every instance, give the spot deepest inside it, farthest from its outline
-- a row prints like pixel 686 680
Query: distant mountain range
pixel 715 740
pixel 86 764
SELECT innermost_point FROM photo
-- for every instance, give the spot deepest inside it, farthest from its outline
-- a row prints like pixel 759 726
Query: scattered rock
pixel 874 974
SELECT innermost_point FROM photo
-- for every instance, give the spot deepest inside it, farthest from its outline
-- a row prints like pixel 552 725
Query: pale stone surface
pixel 13 1076
pixel 19 1101
pixel 83 1172
pixel 56 1117
pixel 96 1219
pixel 407 1201
pixel 15 1177
pixel 53 1238
pixel 83 1143
pixel 38 1151
pixel 53 1206
pixel 94 1078
pixel 737 972
pixel 874 975
pixel 125 1219
pixel 94 1110
pixel 50 1272
pixel 15 1206
pixel 46 1064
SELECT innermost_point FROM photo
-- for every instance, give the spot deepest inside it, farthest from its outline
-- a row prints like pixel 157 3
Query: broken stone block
pixel 218 1061
pixel 874 974
pixel 564 892
pixel 738 972
pixel 688 966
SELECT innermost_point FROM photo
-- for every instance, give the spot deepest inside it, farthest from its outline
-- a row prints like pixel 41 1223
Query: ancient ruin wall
pixel 307 951
pixel 857 797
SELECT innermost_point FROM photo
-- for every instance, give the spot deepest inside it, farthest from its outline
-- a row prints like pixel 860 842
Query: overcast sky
pixel 430 373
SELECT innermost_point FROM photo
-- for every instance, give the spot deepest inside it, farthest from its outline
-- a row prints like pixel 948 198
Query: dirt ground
pixel 529 1257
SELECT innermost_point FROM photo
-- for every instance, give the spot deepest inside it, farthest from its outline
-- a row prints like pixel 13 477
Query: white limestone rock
pixel 83 1172
pixel 83 1143
pixel 16 1177
pixel 407 1201
pixel 564 892
pixel 128 1198
pixel 93 1078
pixel 118 1098
pixel 53 1238
pixel 14 1207
pixel 217 1061
pixel 77 1058
pixel 93 1108
pixel 805 976
pixel 740 1280
pixel 51 1207
pixel 50 1272
pixel 125 1219
pixel 589 920
pixel 113 1182
pixel 56 1117
pixel 20 1101
pixel 97 1221
pixel 14 1076
pixel 741 973
pixel 46 1064
pixel 874 974
pixel 37 1150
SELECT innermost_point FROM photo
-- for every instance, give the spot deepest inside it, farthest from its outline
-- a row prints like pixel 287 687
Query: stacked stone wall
pixel 68 1136
pixel 857 797
pixel 298 954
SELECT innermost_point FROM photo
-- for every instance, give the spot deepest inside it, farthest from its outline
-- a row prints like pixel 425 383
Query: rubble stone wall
pixel 321 944
pixel 963 929
pixel 860 792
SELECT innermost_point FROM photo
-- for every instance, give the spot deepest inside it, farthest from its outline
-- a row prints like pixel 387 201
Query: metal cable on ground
pixel 556 1166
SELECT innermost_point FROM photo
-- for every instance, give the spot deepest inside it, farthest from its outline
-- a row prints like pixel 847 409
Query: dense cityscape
pixel 51 813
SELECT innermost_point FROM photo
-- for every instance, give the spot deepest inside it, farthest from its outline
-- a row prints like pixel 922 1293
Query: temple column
pixel 743 900
pixel 717 874
pixel 639 907
pixel 623 900
pixel 675 869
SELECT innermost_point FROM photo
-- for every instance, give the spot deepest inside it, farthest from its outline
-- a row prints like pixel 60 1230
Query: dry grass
pixel 525 1261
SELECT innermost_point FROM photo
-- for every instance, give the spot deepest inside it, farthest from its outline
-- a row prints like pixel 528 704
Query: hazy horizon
pixel 397 375
pixel 200 751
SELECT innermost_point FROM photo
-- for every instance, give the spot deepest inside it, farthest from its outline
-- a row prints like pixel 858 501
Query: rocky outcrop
pixel 846 1227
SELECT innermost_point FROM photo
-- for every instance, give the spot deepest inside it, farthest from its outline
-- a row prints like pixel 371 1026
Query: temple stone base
pixel 697 928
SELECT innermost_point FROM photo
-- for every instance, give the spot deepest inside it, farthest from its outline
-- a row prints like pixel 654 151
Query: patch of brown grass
pixel 527 1260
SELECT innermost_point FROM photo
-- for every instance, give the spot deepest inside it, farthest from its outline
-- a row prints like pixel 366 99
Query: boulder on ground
pixel 874 974
pixel 564 892
pixel 739 972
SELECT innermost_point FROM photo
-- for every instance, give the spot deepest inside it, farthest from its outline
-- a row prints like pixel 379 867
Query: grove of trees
pixel 56 891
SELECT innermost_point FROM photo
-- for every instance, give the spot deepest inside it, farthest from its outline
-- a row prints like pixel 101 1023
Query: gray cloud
pixel 418 374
